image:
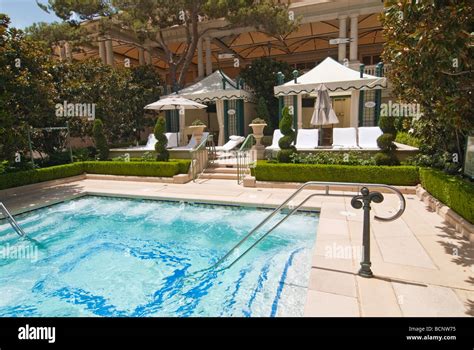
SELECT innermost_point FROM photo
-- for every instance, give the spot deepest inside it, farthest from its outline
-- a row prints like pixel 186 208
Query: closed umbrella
pixel 323 113
pixel 175 103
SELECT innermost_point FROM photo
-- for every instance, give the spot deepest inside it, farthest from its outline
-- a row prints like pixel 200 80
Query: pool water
pixel 99 256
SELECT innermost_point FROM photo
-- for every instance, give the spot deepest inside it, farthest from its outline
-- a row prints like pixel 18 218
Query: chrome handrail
pixel 12 220
pixel 294 194
pixel 241 156
pixel 196 166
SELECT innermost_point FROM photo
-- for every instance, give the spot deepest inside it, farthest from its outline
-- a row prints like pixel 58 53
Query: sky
pixel 24 13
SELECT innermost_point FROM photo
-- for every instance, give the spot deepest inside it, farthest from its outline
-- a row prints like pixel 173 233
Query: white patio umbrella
pixel 323 113
pixel 175 103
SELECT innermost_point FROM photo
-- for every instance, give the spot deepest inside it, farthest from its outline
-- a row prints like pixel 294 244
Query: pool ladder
pixel 293 209
pixel 11 220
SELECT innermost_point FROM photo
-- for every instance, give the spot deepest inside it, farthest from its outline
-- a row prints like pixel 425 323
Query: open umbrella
pixel 323 113
pixel 175 103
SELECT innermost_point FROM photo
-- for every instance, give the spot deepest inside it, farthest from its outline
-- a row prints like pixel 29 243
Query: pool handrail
pixel 12 220
pixel 399 213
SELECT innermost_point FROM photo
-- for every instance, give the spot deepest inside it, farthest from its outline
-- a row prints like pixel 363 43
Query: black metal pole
pixel 363 201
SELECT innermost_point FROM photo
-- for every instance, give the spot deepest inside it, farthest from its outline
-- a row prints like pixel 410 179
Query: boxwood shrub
pixel 28 177
pixel 159 169
pixel 456 193
pixel 390 175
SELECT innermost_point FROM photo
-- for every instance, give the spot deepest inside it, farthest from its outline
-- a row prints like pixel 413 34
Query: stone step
pixel 220 176
pixel 221 170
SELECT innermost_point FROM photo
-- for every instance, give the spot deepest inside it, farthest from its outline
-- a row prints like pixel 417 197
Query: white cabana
pixel 335 76
pixel 218 88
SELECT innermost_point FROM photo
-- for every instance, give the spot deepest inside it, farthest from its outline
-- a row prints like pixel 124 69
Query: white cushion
pixel 368 136
pixel 235 138
pixel 173 139
pixel 344 138
pixel 307 139
pixel 277 135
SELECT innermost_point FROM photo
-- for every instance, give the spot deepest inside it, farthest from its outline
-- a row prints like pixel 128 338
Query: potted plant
pixel 197 128
pixel 257 126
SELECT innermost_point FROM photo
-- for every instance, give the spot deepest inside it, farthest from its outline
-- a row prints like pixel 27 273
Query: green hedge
pixel 159 169
pixel 390 175
pixel 453 191
pixel 28 177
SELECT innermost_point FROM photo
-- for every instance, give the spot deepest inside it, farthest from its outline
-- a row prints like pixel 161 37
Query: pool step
pixel 220 176
pixel 222 170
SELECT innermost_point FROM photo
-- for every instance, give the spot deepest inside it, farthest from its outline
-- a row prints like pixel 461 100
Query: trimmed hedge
pixel 389 175
pixel 451 190
pixel 158 169
pixel 28 177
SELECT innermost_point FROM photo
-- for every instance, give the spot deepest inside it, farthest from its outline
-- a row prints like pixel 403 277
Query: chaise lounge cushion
pixel 344 138
pixel 307 139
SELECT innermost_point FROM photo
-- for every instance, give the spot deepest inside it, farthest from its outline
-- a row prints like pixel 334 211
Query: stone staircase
pixel 227 171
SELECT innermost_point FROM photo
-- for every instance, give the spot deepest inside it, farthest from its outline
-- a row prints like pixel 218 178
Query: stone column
pixel 299 108
pixel 354 37
pixel 141 56
pixel 342 34
pixel 208 56
pixel 109 52
pixel 148 59
pixel 102 53
pixel 200 59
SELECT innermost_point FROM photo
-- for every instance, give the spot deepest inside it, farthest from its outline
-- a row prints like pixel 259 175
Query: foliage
pixel 385 142
pixel 453 191
pixel 198 122
pixel 261 76
pixel 117 93
pixel 430 48
pixel 133 168
pixel 147 19
pixel 21 178
pixel 439 160
pixel 349 158
pixel 27 95
pixel 407 139
pixel 258 121
pixel 55 34
pixel 262 112
pixel 100 140
pixel 159 169
pixel 289 137
pixel 395 175
pixel 162 153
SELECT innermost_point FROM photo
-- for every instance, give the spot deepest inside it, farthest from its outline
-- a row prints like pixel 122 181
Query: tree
pixel 100 140
pixel 148 19
pixel 261 76
pixel 162 153
pixel 289 136
pixel 27 93
pixel 430 49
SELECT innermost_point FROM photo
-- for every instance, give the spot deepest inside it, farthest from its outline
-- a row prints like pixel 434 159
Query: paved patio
pixel 422 266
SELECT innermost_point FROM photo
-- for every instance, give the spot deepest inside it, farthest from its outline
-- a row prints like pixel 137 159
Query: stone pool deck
pixel 422 266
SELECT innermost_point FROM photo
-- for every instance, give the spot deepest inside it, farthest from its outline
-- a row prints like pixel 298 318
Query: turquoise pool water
pixel 98 256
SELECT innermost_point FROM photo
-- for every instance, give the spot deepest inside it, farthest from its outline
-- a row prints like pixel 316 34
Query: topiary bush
pixel 162 153
pixel 385 142
pixel 289 136
pixel 100 140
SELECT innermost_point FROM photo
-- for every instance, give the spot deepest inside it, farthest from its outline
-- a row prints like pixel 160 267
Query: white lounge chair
pixel 344 138
pixel 233 142
pixel 277 135
pixel 368 136
pixel 192 143
pixel 173 139
pixel 307 139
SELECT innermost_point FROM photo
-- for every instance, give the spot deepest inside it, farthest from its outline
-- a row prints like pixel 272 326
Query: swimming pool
pixel 101 256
